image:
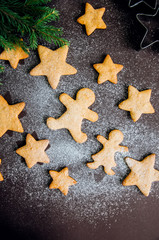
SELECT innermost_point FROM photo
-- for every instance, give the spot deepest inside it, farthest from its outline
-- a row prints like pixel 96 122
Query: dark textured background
pixel 98 207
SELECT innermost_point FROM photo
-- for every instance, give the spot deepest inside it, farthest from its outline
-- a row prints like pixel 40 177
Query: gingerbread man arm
pixel 101 139
pixel 91 115
pixel 122 149
pixel 66 99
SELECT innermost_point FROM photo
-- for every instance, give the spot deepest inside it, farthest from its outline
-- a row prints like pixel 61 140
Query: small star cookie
pixel 105 157
pixel 142 173
pixel 34 151
pixel 92 19
pixel 1 177
pixel 9 116
pixel 107 70
pixel 137 103
pixel 53 65
pixel 61 180
pixel 76 111
pixel 13 56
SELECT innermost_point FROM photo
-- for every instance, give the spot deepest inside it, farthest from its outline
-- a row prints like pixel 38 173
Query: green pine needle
pixel 28 20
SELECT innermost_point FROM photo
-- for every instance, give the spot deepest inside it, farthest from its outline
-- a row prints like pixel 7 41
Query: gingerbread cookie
pixel 137 103
pixel 105 157
pixel 34 151
pixel 142 173
pixel 1 177
pixel 107 70
pixel 9 116
pixel 13 56
pixel 53 65
pixel 76 111
pixel 61 180
pixel 92 19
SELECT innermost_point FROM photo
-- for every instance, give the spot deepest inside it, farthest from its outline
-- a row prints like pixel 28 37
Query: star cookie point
pixel 9 116
pixel 137 103
pixel 107 70
pixel 1 177
pixel 53 64
pixel 34 151
pixel 61 180
pixel 142 173
pixel 92 19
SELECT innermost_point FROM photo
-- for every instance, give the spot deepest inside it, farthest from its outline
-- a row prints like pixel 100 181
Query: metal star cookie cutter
pixel 142 1
pixel 140 21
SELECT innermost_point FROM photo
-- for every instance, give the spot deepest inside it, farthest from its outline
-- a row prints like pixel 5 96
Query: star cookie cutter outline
pixel 142 41
pixel 142 1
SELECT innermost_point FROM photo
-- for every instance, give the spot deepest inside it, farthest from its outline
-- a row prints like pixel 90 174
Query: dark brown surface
pixel 98 207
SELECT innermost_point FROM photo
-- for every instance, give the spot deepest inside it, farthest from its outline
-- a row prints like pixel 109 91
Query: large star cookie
pixel 107 70
pixel 137 103
pixel 61 180
pixel 9 116
pixel 142 173
pixel 53 65
pixel 34 151
pixel 92 19
pixel 105 157
pixel 1 177
pixel 13 56
pixel 76 111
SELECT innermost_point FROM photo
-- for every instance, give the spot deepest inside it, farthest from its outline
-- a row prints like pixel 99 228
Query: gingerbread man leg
pixel 77 134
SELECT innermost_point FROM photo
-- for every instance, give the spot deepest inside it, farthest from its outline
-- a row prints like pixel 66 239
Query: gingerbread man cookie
pixel 76 111
pixel 105 157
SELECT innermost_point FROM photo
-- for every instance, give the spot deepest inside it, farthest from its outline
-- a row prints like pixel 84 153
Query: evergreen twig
pixel 29 20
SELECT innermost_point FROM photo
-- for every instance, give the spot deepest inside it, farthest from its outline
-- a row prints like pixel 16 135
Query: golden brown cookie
pixel 53 65
pixel 9 116
pixel 92 19
pixel 105 157
pixel 1 177
pixel 142 173
pixel 107 70
pixel 34 151
pixel 76 111
pixel 137 103
pixel 61 180
pixel 13 56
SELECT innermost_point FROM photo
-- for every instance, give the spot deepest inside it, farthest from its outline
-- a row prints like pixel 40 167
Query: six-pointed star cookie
pixel 53 64
pixel 13 56
pixel 61 180
pixel 137 103
pixel 92 19
pixel 9 116
pixel 1 177
pixel 34 151
pixel 142 173
pixel 107 70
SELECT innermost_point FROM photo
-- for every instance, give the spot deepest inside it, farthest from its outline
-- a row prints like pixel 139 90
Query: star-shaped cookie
pixel 137 103
pixel 9 116
pixel 53 64
pixel 1 177
pixel 61 180
pixel 92 19
pixel 107 70
pixel 13 56
pixel 34 151
pixel 142 173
